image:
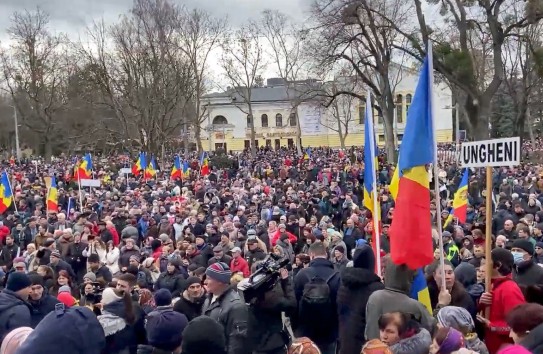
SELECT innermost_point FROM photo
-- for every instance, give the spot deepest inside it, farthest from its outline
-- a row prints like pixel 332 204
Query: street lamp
pixel 17 147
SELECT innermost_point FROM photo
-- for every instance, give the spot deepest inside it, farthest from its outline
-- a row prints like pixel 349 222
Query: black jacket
pixel 459 296
pixel 304 327
pixel 191 309
pixel 254 256
pixel 63 265
pixel 357 285
pixel 267 310
pixel 230 311
pixel 42 307
pixel 534 340
pixel 14 312
pixel 173 282
pixel 104 273
pixel 528 274
pixel 8 254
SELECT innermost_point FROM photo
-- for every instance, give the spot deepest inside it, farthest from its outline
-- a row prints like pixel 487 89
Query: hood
pixel 9 299
pixel 116 308
pixel 417 344
pixel 398 277
pixel 534 339
pixel 466 274
pixel 354 278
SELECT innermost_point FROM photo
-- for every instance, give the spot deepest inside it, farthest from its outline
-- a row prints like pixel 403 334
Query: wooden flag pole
pixel 488 235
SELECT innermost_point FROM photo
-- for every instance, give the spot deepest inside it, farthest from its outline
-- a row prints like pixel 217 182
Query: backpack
pixel 316 304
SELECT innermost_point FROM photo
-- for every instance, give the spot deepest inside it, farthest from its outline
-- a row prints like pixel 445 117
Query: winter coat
pixel 357 285
pixel 112 260
pixel 288 251
pixel 340 264
pixel 528 273
pixel 534 340
pixel 14 312
pixel 120 336
pixel 240 265
pixel 104 273
pixel 42 307
pixel 394 298
pixel 506 295
pixel 125 254
pixel 254 256
pixel 171 281
pixel 191 309
pixel 230 311
pixel 64 244
pixel 459 297
pixel 416 344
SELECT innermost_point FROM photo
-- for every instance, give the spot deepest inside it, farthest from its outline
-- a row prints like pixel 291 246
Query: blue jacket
pixel 14 312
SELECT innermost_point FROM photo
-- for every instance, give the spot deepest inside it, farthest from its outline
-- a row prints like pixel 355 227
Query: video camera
pixel 96 296
pixel 264 278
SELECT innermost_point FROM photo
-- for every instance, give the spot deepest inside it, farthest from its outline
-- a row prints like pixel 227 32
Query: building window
pixel 399 109
pixel 381 138
pixel 380 117
pixel 400 137
pixel 264 120
pixel 268 143
pixel 292 119
pixel 362 111
pixel 278 120
pixel 290 143
pixel 408 98
pixel 249 120
pixel 219 120
pixel 247 144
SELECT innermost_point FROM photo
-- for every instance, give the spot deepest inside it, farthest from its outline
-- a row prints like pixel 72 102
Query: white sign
pixel 310 119
pixel 125 170
pixel 90 183
pixel 494 153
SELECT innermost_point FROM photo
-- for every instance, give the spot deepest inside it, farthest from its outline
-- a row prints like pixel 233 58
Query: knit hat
pixel 64 289
pixel 14 339
pixel 340 249
pixel 375 346
pixel 163 297
pixel 539 244
pixel 18 281
pixel 35 279
pixel 165 329
pixel 364 258
pixel 55 253
pixel 134 258
pixel 524 245
pixel 192 280
pixel 220 272
pixel 204 335
pixel 452 342
pixel 66 298
pixel 91 276
pixel 456 317
pixel 109 296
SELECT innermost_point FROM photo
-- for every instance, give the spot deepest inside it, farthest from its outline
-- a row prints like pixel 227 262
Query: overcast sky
pixel 72 16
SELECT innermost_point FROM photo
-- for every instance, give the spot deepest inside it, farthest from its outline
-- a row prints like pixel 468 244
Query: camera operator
pixel 266 330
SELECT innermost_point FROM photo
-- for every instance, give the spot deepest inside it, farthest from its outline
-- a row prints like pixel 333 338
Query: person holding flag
pixel 84 168
pixel 140 164
pixel 52 196
pixel 204 164
pixel 6 195
pixel 460 202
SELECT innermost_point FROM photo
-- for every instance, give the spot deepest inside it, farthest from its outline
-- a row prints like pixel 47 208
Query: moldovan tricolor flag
pixel 6 196
pixel 83 170
pixel 52 196
pixel 204 164
pixel 460 201
pixel 411 229
pixel 140 164
pixel 176 169
pixel 150 171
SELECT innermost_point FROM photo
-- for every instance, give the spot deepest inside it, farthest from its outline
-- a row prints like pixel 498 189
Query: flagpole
pixel 435 164
pixel 12 194
pixel 80 196
pixel 69 207
pixel 376 212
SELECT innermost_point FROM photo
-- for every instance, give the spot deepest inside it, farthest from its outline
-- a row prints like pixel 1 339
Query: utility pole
pixel 17 146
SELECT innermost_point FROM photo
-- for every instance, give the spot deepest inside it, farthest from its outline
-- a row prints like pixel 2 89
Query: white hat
pixel 109 296
pixel 236 249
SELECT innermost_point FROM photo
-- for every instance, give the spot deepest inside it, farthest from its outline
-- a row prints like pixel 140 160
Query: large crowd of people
pixel 271 255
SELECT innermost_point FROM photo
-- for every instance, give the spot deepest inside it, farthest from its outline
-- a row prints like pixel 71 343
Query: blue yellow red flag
pixel 150 171
pixel 52 196
pixel 460 201
pixel 176 169
pixel 204 164
pixel 6 195
pixel 370 160
pixel 419 290
pixel 186 170
pixel 140 164
pixel 412 218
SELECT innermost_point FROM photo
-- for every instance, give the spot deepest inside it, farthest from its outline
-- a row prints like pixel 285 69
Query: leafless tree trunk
pixel 243 63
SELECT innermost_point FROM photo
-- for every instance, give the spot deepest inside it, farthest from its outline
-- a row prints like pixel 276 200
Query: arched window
pixel 408 98
pixel 399 108
pixel 264 120
pixel 219 120
pixel 292 119
pixel 278 120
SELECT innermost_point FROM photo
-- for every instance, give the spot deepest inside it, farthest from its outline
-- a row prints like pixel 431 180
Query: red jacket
pixel 240 265
pixel 291 237
pixel 505 296
pixel 115 235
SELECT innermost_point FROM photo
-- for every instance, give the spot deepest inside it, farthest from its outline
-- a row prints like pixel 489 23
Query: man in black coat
pixel 41 302
pixel 14 307
pixel 57 264
pixel 192 298
pixel 357 284
pixel 320 326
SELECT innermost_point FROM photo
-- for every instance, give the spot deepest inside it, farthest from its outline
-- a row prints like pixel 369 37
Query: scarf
pixel 111 323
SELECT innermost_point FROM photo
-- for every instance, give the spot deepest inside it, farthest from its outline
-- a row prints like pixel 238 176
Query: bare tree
pixel 200 35
pixel 455 56
pixel 36 68
pixel 243 63
pixel 286 40
pixel 339 116
pixel 358 33
pixel 144 77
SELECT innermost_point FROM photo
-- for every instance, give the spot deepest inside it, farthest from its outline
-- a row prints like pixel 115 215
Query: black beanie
pixel 18 281
pixel 203 335
pixel 163 297
pixel 524 245
pixel 192 280
pixel 364 258
pixel 36 279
